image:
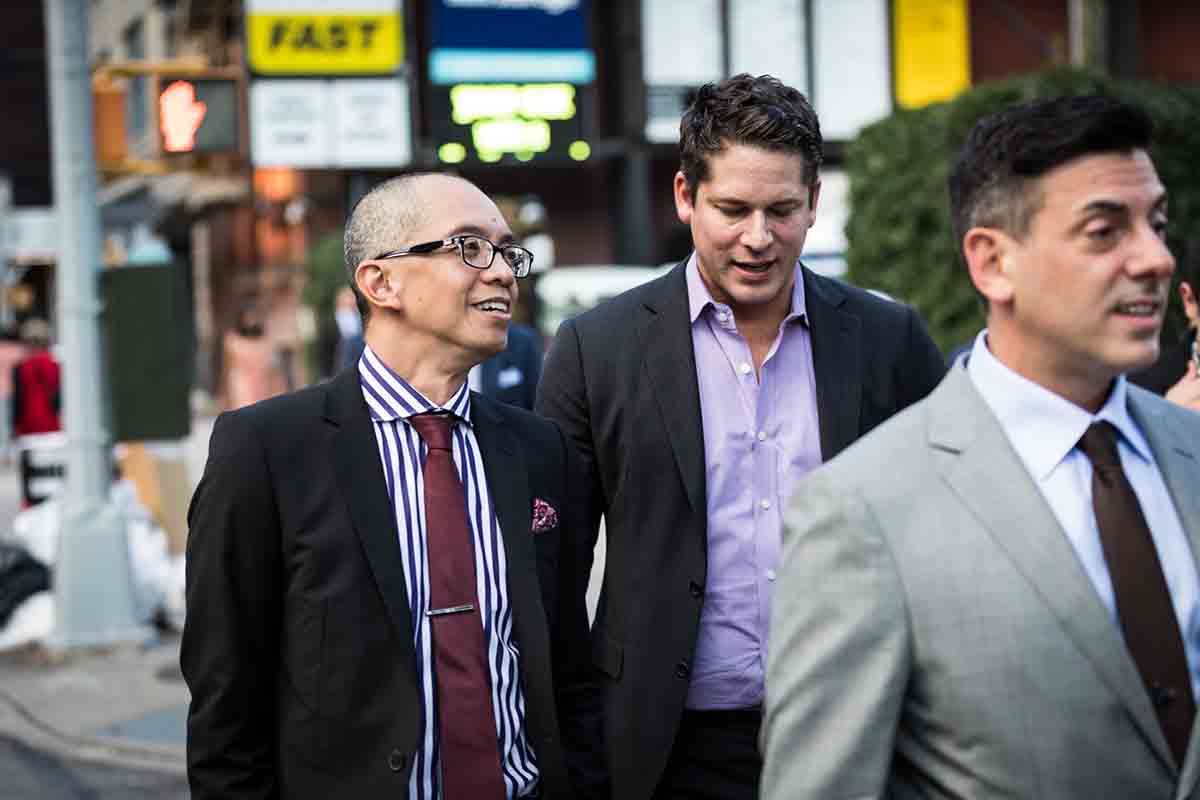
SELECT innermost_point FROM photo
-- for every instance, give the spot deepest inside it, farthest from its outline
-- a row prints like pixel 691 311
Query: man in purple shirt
pixel 697 402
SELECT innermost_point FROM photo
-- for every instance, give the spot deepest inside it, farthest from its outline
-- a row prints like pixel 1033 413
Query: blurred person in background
pixel 1176 374
pixel 11 352
pixel 36 383
pixel 995 594
pixel 698 401
pixel 350 330
pixel 385 577
pixel 512 375
pixel 36 400
pixel 252 370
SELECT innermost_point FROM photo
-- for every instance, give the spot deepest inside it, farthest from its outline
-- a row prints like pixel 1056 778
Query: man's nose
pixel 757 233
pixel 1152 258
pixel 499 273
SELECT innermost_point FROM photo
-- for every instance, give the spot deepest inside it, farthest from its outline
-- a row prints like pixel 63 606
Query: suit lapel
pixel 836 337
pixel 360 477
pixel 665 334
pixel 1178 459
pixel 988 476
pixel 508 485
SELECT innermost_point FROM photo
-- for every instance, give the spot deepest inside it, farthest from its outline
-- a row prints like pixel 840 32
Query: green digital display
pixel 496 122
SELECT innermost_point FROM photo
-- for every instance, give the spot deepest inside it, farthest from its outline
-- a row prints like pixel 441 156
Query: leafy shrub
pixel 899 231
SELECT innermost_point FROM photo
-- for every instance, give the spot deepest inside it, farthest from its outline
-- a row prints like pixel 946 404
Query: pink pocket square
pixel 545 518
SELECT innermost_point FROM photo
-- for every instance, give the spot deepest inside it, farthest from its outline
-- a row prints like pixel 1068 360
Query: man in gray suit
pixel 967 607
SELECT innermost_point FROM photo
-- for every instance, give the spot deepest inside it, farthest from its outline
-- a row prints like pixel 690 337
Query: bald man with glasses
pixel 386 573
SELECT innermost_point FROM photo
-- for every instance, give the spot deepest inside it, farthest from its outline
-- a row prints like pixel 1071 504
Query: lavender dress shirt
pixel 760 438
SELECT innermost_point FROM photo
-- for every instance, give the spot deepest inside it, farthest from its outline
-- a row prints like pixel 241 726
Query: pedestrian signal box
pixel 197 115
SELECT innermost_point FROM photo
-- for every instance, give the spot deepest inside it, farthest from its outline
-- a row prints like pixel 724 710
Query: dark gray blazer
pixel 298 645
pixel 621 381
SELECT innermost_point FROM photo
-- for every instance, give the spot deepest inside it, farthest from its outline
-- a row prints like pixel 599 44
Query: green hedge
pixel 899 232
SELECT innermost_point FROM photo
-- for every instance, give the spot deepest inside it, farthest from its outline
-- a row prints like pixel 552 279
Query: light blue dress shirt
pixel 1044 429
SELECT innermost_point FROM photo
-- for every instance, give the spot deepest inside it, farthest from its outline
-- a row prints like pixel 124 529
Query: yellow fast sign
pixel 324 44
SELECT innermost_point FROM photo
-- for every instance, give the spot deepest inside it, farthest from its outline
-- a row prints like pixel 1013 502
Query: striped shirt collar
pixel 389 397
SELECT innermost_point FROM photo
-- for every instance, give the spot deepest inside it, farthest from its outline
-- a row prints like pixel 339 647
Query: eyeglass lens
pixel 478 252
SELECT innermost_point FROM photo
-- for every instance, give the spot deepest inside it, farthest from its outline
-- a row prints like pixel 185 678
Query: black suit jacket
pixel 512 375
pixel 621 380
pixel 298 644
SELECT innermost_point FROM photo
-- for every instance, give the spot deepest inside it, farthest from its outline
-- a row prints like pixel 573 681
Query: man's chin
pixel 1137 356
pixel 490 347
pixel 761 294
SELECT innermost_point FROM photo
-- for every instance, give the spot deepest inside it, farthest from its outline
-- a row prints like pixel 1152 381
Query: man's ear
pixel 685 203
pixel 1191 303
pixel 989 253
pixel 814 194
pixel 376 285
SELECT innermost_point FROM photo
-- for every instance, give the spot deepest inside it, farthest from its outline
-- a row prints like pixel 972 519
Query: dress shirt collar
pixel 390 397
pixel 699 298
pixel 1042 426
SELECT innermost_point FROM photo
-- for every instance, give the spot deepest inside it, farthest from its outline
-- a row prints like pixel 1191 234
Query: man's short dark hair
pixel 762 112
pixel 991 184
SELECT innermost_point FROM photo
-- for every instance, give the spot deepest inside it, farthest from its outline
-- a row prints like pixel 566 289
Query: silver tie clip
pixel 437 612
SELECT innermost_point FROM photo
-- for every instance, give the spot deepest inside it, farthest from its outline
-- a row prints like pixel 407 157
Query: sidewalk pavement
pixel 124 706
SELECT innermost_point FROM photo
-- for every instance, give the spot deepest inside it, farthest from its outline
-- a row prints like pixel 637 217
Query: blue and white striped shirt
pixel 391 401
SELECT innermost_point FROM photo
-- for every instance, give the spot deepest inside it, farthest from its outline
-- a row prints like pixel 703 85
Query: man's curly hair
pixel 758 111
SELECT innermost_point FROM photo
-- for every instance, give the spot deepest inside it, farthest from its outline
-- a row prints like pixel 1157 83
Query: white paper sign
pixel 290 124
pixel 371 123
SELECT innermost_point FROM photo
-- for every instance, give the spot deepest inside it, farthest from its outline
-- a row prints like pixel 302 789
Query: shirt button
pixel 397 760
pixel 696 590
pixel 723 316
pixel 683 669
pixel 764 504
pixel 745 368
pixel 770 574
pixel 762 436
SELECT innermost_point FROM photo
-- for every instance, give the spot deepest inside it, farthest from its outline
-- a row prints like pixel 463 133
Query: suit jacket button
pixel 683 669
pixel 696 589
pixel 397 761
pixel 1161 696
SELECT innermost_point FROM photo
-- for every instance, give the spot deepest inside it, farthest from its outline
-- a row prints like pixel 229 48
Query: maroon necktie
pixel 470 751
pixel 1143 601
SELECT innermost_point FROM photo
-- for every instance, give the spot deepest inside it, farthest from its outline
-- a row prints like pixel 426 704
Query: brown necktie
pixel 1143 602
pixel 470 751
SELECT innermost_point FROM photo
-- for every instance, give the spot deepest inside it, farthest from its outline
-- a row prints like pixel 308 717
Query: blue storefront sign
pixel 510 40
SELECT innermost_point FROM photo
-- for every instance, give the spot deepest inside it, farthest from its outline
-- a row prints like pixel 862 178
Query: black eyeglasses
pixel 475 251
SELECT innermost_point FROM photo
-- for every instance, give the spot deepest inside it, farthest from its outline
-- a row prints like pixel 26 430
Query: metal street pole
pixel 93 586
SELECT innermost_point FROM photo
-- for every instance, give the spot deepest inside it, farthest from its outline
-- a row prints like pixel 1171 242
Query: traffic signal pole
pixel 93 586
